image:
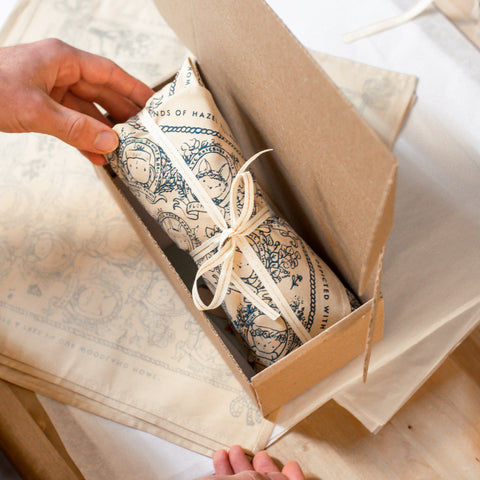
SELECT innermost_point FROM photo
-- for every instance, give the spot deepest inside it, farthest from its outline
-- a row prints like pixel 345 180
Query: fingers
pixel 275 476
pixel 81 130
pixel 246 475
pixel 70 101
pixel 95 158
pixel 61 67
pixel 221 463
pixel 238 459
pixel 293 471
pixel 73 102
pixel 118 106
pixel 76 65
pixel 263 463
pixel 236 463
pixel 98 70
pixel 50 87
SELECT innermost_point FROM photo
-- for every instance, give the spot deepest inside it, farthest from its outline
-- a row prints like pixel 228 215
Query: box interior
pixel 287 378
pixel 330 175
pixel 182 264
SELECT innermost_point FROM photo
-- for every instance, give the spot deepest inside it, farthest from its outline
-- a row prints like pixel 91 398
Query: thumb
pixel 77 129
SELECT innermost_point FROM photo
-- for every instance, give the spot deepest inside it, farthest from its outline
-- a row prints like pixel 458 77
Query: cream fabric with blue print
pixel 179 158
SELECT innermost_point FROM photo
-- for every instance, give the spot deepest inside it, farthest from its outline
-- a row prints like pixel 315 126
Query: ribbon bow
pixel 229 240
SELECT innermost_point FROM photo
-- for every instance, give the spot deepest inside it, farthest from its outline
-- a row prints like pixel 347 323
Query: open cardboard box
pixel 330 175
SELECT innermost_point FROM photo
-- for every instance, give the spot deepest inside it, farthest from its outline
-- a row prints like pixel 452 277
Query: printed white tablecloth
pixel 431 274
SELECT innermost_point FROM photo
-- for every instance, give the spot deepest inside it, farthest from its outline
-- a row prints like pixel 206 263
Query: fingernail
pixel 106 142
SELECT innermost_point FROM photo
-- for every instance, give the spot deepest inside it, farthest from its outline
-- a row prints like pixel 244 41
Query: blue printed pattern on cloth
pixel 185 112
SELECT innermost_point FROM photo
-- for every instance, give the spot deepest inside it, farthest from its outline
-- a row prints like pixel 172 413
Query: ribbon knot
pixel 228 240
pixel 226 236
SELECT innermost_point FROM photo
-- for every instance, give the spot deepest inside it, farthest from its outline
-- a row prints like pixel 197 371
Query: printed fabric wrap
pixel 181 123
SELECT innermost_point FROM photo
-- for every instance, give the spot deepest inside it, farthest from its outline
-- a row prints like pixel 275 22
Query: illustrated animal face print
pixel 214 182
pixel 268 343
pixel 140 167
pixel 214 185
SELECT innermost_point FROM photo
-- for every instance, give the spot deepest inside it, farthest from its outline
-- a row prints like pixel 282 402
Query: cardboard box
pixel 331 178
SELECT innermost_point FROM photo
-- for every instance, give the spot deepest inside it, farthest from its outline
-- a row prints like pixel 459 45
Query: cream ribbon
pixel 227 241
pixel 404 17
pixel 230 238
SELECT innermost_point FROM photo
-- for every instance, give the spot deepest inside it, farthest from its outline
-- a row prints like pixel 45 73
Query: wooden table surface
pixel 436 435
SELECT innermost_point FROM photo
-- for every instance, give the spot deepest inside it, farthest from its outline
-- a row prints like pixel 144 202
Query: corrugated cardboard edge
pixel 295 373
pixel 377 243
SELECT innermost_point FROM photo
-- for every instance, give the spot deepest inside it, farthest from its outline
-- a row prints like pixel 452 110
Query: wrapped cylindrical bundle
pixel 181 161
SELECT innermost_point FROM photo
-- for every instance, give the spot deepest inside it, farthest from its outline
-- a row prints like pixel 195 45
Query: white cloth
pixel 103 449
pixel 431 274
pixel 432 264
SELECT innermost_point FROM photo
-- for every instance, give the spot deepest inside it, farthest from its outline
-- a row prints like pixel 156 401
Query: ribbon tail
pixel 389 23
pixel 225 258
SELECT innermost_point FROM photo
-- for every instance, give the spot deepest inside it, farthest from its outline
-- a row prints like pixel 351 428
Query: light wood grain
pixel 436 435
pixel 27 443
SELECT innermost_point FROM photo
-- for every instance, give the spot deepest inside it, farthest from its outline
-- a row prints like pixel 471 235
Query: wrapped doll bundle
pixel 179 158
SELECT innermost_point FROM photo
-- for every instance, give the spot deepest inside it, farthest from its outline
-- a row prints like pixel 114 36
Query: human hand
pixel 235 465
pixel 50 87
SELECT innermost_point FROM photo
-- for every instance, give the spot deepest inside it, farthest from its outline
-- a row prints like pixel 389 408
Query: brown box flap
pixel 317 359
pixel 329 175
